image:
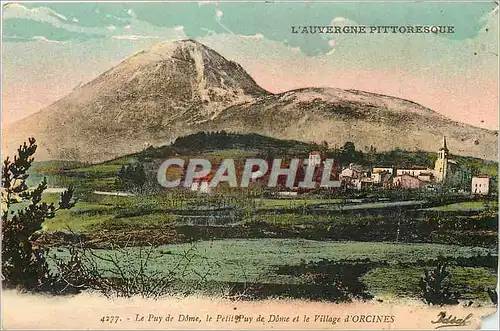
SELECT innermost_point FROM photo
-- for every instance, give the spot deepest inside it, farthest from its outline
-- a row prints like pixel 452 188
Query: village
pixel 358 177
pixel 413 177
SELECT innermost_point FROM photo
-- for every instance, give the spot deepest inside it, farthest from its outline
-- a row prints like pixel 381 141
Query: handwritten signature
pixel 450 320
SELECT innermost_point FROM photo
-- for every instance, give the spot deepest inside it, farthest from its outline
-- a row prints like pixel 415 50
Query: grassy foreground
pixel 394 270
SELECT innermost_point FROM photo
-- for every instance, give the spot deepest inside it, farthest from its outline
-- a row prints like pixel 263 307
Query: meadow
pixel 375 244
pixel 245 243
pixel 395 267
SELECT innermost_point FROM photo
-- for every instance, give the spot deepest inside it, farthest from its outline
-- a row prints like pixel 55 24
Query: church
pixel 418 176
pixel 443 165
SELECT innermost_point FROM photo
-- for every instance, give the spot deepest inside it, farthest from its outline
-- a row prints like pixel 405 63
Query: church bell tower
pixel 441 165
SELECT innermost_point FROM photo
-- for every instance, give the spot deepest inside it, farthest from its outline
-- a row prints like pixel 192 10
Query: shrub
pixel 435 285
pixel 493 295
pixel 127 270
pixel 338 281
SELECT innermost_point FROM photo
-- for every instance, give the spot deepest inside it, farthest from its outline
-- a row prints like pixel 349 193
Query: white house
pixel 195 186
pixel 353 171
pixel 377 177
pixel 201 187
pixel 480 184
pixel 204 187
pixel 414 171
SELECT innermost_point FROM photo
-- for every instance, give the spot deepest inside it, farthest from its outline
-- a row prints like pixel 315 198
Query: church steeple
pixel 443 151
pixel 441 164
pixel 444 148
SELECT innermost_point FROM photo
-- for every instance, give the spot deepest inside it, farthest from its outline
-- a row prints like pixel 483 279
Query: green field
pixel 470 282
pixel 258 260
pixel 99 208
pixel 467 206
pixel 295 202
pixel 169 207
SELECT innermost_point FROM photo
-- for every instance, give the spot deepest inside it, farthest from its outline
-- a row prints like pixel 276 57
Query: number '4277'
pixel 110 319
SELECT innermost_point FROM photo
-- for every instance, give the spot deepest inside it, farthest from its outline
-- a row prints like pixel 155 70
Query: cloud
pixel 131 13
pixel 339 20
pixel 134 37
pixel 13 38
pixel 61 28
pixel 47 22
pixel 42 38
pixel 343 21
pixel 60 16
pixel 40 14
pixel 255 36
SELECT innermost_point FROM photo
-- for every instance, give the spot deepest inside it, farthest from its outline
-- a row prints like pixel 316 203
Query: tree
pixel 348 153
pixel 323 148
pixel 23 262
pixel 132 176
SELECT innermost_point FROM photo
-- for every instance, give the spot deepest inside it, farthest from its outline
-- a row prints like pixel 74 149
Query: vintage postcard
pixel 249 165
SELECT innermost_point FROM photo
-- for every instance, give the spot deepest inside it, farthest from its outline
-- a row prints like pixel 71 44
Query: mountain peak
pixel 175 88
pixel 169 87
pixel 205 68
pixel 168 47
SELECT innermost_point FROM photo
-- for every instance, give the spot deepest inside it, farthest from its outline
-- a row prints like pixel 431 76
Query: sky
pixel 51 48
